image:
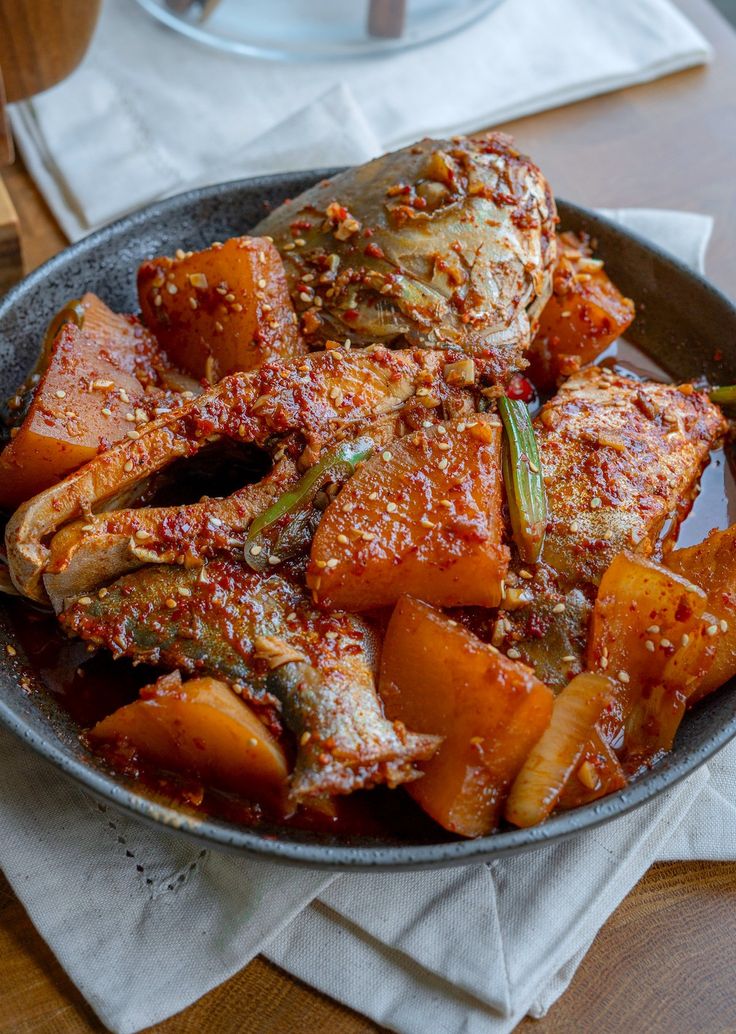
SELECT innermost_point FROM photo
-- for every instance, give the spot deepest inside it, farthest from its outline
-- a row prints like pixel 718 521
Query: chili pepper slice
pixel 522 473
pixel 287 526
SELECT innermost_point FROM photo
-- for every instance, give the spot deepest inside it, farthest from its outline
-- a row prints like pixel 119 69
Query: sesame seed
pixel 102 593
pixel 142 534
pixel 443 463
pixel 368 536
pixel 343 540
pixel 391 507
pixel 665 644
pixel 422 392
pixel 333 562
pixel 650 645
pixel 569 658
pixel 386 456
pixel 106 412
pixel 595 502
pixel 218 327
pixel 262 283
pixel 128 466
pixel 513 654
pixel 603 663
pixel 533 467
pixel 373 496
pixel 526 575
pixel 685 640
pixel 130 418
pixel 723 625
pixel 441 429
pixel 102 385
pixel 158 300
pixel 574 527
pixel 84 601
pixel 300 242
pixel 711 630
pixel 273 559
pixel 193 303
pixel 426 523
pixel 559 608
pixel 60 394
pixel 133 435
pixel 446 503
pixel 255 549
pixel 171 603
pixel 10 650
pixel 172 288
pixel 183 591
pixel 444 446
pixel 623 676
pixel 653 630
pixel 305 738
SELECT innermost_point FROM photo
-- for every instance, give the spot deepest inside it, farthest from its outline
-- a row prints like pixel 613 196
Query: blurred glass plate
pixel 305 30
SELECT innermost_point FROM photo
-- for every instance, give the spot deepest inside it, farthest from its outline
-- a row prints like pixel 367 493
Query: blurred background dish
pixel 293 30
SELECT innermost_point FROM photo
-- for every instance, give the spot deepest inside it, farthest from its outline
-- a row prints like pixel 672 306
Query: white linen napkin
pixel 150 112
pixel 145 923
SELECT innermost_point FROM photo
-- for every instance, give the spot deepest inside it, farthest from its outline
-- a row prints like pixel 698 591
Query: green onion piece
pixel 522 473
pixel 286 527
pixel 723 396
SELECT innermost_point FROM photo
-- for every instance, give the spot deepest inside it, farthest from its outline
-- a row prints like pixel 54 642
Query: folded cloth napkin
pixel 149 112
pixel 145 922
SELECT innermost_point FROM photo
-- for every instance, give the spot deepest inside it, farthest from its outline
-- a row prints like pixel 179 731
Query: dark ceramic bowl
pixel 682 321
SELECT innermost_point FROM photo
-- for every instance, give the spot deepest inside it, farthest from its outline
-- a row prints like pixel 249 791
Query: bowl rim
pixel 328 855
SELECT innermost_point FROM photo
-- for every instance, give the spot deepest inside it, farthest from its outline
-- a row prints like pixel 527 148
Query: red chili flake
pixel 350 315
pixel 520 388
pixel 300 225
pixel 684 611
pixel 718 356
pixel 374 251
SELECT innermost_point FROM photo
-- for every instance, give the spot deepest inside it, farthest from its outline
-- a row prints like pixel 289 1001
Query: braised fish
pixel 622 460
pixel 447 243
pixel 262 634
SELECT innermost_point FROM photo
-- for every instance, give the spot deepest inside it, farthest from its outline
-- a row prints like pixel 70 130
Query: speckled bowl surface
pixel 682 322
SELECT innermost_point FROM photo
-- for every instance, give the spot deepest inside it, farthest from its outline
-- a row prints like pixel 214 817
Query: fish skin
pixel 233 624
pixel 452 244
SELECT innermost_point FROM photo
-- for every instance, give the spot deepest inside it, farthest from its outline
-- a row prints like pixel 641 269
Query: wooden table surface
pixel 665 961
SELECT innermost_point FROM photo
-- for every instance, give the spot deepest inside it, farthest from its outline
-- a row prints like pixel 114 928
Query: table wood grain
pixel 665 960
